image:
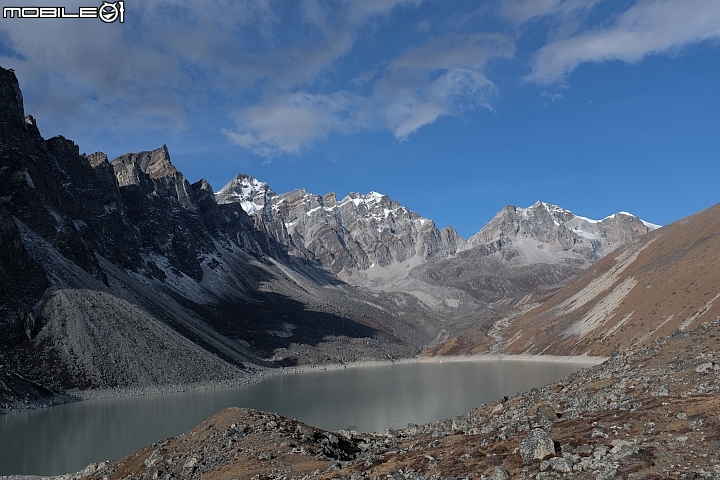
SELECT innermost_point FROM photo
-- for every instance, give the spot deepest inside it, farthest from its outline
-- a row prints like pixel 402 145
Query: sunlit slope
pixel 663 281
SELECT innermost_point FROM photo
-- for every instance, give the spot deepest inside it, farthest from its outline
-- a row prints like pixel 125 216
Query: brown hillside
pixel 665 280
pixel 649 415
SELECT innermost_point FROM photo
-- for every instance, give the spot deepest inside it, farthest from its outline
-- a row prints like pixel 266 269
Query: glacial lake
pixel 67 438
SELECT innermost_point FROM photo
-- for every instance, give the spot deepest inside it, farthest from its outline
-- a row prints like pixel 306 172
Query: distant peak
pixel 374 196
pixel 242 180
pixel 203 185
pixel 549 207
pixel 650 226
pixel 155 163
pixel 160 164
pixel 248 191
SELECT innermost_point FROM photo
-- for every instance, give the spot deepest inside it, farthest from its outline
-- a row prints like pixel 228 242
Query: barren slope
pixel 665 280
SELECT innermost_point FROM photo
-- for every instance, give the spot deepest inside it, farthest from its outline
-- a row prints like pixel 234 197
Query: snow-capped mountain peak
pixel 551 226
pixel 246 190
pixel 354 232
pixel 651 226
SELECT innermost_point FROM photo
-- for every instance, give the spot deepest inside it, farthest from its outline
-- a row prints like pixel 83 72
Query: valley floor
pixel 649 414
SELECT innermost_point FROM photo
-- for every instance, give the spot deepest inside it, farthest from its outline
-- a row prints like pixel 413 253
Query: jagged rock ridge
pixel 650 287
pixel 122 274
pixel 372 241
pixel 522 251
pixel 355 233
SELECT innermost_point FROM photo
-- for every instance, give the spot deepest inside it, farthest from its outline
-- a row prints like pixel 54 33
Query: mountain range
pixel 124 275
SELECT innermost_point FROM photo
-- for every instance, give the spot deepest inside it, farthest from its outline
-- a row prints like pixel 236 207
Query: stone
pixel 537 444
pixel 704 367
pixel 545 412
pixel 560 464
pixel 305 430
pixel 499 473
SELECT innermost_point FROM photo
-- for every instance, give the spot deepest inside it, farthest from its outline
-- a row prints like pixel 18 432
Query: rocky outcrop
pixel 22 283
pixel 164 208
pixel 33 186
pixel 155 170
pixel 536 445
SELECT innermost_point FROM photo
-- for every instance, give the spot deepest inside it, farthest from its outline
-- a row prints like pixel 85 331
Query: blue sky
pixel 453 108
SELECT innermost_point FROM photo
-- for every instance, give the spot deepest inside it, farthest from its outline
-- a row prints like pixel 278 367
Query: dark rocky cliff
pixel 122 274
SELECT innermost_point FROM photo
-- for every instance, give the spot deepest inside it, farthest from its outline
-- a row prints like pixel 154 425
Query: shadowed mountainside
pixel 123 274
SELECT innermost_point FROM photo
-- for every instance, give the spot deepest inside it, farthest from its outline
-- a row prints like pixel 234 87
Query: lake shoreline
pixel 261 373
pixel 590 360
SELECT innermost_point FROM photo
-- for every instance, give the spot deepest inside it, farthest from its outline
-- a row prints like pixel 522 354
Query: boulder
pixel 545 413
pixel 537 444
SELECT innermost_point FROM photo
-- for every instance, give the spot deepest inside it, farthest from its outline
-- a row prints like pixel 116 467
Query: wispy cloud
pixel 441 77
pixel 143 73
pixel 172 57
pixel 291 123
pixel 522 11
pixel 647 28
pixel 268 70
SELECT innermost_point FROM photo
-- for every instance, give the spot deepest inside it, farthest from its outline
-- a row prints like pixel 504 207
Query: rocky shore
pixel 649 414
pixel 19 394
pixel 33 396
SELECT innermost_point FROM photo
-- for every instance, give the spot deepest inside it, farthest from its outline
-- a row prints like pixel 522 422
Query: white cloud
pixel 442 77
pixel 644 29
pixel 132 76
pixel 174 57
pixel 290 124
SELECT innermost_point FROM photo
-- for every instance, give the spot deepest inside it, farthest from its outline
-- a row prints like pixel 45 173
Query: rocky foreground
pixel 649 414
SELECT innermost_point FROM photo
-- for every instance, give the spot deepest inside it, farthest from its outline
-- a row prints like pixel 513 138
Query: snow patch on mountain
pixel 248 191
pixel 570 236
